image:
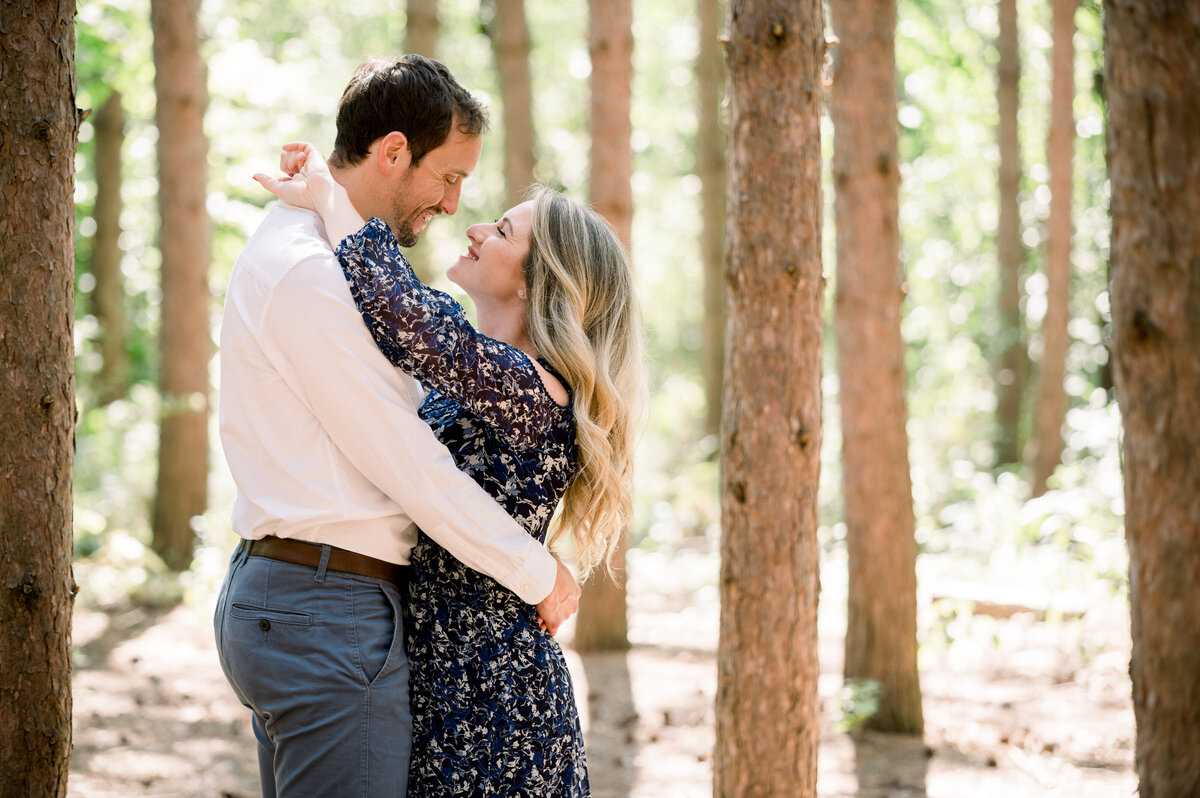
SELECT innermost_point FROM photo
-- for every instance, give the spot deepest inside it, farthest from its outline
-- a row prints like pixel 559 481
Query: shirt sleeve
pixel 313 333
pixel 426 333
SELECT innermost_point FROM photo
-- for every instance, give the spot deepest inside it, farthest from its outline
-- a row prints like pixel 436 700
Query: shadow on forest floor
pixel 1023 712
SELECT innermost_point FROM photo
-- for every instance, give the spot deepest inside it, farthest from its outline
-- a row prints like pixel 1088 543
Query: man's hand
pixel 562 602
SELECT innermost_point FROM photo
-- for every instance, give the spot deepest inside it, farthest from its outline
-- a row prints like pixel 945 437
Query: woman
pixel 537 404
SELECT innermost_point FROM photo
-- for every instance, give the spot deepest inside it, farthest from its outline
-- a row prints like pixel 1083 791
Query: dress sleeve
pixel 425 333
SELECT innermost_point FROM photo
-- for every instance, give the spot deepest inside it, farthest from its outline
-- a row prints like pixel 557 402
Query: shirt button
pixel 264 624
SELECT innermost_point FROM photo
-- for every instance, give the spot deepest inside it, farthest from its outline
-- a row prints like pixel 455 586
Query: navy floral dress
pixel 493 708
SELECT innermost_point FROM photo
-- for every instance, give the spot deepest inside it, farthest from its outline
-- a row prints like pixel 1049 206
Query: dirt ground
pixel 1013 707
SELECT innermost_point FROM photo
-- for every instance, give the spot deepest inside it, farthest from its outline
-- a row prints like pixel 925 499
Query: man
pixel 333 466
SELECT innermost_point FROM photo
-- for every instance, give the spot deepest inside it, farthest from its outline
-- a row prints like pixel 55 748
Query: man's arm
pixel 315 337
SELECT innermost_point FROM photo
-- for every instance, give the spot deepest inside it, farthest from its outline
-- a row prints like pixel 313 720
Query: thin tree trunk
pixel 710 167
pixel 186 339
pixel 1010 368
pixel 610 44
pixel 38 134
pixel 881 631
pixel 421 28
pixel 108 295
pixel 1153 82
pixel 602 622
pixel 767 708
pixel 510 44
pixel 1051 405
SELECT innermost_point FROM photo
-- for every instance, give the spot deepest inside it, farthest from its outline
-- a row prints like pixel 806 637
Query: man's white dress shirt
pixel 322 433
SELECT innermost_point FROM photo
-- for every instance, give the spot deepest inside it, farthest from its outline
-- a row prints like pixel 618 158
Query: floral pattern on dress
pixel 493 708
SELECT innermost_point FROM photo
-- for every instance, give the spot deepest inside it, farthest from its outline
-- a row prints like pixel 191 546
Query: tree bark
pixel 767 707
pixel 881 631
pixel 108 295
pixel 38 134
pixel 510 44
pixel 1010 367
pixel 186 338
pixel 1051 405
pixel 602 623
pixel 610 44
pixel 421 28
pixel 1152 69
pixel 710 167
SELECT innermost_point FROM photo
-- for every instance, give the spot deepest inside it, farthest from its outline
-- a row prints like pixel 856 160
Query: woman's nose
pixel 480 232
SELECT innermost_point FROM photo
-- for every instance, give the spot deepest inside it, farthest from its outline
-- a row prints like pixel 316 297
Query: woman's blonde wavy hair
pixel 582 316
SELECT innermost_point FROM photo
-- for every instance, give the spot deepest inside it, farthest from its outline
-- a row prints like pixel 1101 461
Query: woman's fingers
pixel 291 163
pixel 268 182
pixel 272 184
pixel 307 155
pixel 307 175
pixel 290 190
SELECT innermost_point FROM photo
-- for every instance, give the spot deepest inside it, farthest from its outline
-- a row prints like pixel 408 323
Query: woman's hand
pixel 309 184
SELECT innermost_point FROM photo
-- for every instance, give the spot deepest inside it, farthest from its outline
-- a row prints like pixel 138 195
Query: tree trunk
pixel 610 44
pixel 510 44
pixel 1010 368
pixel 421 28
pixel 767 707
pixel 710 167
pixel 1051 405
pixel 38 134
pixel 602 623
pixel 186 339
pixel 1153 82
pixel 108 295
pixel 881 631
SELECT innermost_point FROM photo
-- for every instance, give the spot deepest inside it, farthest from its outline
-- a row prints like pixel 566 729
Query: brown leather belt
pixel 298 552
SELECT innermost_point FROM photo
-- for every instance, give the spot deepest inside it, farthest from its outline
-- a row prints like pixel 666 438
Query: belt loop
pixel 325 549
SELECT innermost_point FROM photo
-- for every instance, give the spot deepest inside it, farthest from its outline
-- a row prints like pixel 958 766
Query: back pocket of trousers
pixel 253 613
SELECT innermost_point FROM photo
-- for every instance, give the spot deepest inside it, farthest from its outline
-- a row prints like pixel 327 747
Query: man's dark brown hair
pixel 414 95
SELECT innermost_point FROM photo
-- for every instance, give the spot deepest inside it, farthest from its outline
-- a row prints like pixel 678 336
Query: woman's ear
pixel 393 153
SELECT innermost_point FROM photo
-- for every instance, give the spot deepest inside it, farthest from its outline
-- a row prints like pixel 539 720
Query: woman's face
pixel 491 268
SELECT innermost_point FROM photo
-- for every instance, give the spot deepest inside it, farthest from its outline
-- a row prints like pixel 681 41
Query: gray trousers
pixel 318 657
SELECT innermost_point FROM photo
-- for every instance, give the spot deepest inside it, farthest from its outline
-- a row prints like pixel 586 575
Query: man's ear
pixel 392 153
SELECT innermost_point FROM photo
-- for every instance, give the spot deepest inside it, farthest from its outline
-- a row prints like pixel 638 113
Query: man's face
pixel 432 186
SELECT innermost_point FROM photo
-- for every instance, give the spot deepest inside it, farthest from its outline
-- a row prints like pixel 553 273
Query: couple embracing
pixel 389 614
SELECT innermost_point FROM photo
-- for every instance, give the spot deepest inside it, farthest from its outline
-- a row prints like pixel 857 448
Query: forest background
pixel 275 71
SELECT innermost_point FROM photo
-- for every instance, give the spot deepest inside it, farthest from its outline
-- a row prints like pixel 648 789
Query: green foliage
pixel 858 702
pixel 114 481
pixel 113 53
pixel 276 70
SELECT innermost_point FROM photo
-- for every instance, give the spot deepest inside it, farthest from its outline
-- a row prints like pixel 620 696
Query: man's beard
pixel 403 227
pixel 404 221
pixel 405 235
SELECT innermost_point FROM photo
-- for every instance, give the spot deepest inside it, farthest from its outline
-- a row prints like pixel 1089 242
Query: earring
pixel 521 293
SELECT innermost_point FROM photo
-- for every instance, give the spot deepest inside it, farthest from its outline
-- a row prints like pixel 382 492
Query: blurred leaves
pixel 858 702
pixel 276 70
